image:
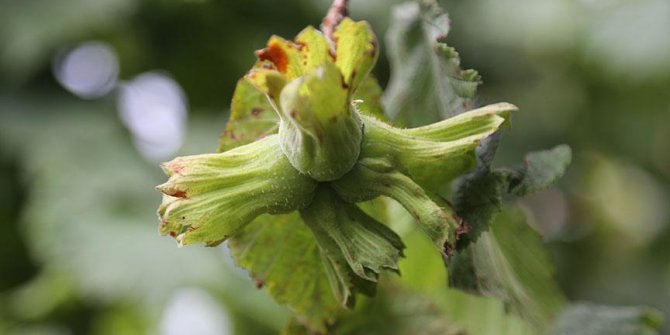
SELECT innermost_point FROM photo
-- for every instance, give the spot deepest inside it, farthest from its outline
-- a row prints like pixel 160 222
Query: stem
pixel 336 13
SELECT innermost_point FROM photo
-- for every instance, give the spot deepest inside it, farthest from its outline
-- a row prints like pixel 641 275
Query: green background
pixel 79 248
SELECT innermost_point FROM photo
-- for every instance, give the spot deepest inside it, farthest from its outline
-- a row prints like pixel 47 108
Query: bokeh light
pixel 193 311
pixel 89 70
pixel 154 109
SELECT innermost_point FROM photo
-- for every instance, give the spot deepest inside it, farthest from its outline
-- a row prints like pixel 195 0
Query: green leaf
pixel 509 262
pixel 477 199
pixel 478 196
pixel 481 315
pixel 424 272
pixel 251 117
pixel 427 83
pixel 541 169
pixel 281 254
pixel 367 245
pixel 506 262
pixel 590 319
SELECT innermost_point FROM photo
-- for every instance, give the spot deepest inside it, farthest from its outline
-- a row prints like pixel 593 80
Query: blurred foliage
pixel 81 253
pixel 588 319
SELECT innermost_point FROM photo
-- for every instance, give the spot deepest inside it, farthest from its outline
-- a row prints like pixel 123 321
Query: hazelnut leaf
pixel 427 83
pixel 478 196
pixel 540 170
pixel 252 116
pixel 509 262
pixel 282 255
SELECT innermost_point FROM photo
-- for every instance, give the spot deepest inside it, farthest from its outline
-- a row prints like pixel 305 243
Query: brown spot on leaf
pixel 333 119
pixel 259 283
pixel 293 114
pixel 372 51
pixel 344 83
pixel 275 54
pixel 177 193
pixel 173 234
pixel 175 167
pixel 256 111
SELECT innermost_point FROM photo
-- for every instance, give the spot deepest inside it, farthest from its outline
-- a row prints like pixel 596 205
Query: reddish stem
pixel 336 13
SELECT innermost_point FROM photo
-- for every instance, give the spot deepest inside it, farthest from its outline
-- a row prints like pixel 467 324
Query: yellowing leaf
pixel 314 48
pixel 356 50
pixel 269 81
pixel 283 55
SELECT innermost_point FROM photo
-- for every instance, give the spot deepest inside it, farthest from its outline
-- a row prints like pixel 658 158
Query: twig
pixel 336 13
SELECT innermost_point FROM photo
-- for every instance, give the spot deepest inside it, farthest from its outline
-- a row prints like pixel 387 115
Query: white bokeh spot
pixel 194 312
pixel 154 109
pixel 89 70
